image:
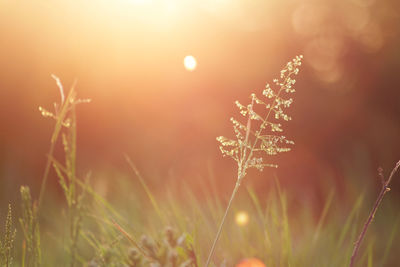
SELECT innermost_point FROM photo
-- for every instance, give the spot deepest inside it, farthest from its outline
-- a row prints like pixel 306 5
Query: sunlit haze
pixel 166 80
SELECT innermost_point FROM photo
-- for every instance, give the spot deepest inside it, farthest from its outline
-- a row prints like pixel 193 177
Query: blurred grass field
pixel 303 239
pixel 281 230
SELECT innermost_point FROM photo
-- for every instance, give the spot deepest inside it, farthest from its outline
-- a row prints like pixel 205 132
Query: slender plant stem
pixel 385 188
pixel 46 174
pixel 222 223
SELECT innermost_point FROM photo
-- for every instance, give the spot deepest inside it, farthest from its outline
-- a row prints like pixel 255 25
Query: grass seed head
pixel 261 136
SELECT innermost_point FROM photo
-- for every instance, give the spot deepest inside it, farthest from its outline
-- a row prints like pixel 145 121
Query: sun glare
pixel 140 2
pixel 190 63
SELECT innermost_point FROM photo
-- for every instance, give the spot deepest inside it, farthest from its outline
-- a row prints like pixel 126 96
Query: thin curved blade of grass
pixel 146 188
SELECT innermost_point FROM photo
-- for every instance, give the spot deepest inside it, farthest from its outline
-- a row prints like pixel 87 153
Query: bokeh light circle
pixel 242 218
pixel 251 262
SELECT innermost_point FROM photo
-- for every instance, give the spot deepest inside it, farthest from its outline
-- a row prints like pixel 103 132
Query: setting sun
pixel 190 63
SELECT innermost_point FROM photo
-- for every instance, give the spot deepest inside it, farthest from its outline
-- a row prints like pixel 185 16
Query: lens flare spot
pixel 242 218
pixel 190 63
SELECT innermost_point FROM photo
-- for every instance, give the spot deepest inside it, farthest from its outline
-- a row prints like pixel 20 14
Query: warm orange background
pixel 128 58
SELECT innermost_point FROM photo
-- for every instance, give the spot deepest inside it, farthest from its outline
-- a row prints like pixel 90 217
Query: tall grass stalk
pixel 61 111
pixel 7 244
pixel 384 190
pixel 65 117
pixel 251 146
pixel 31 252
